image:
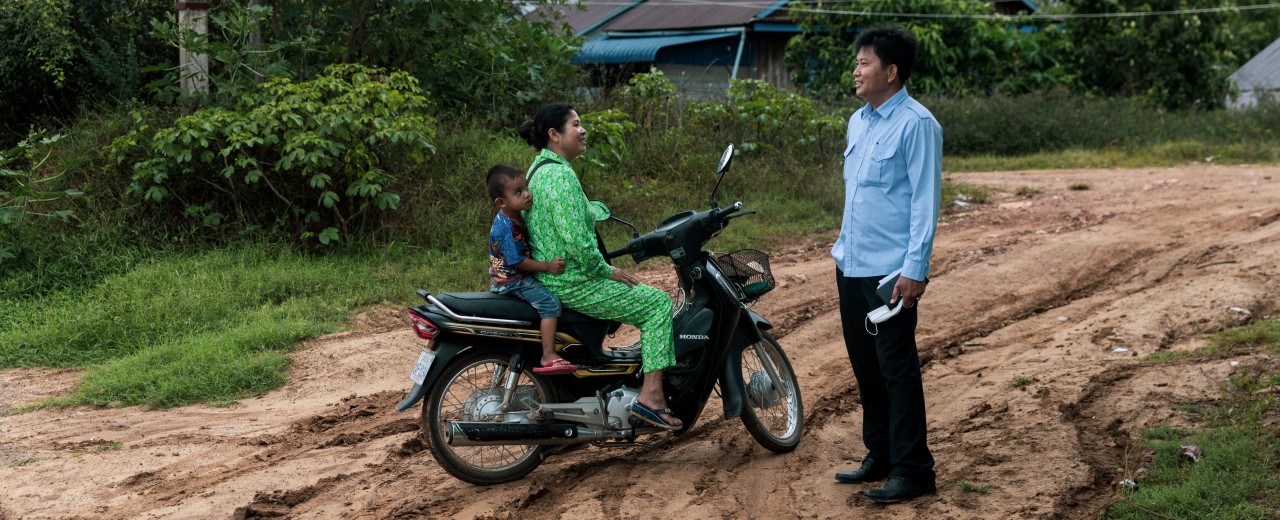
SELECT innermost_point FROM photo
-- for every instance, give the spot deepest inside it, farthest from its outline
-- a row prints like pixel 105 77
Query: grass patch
pixel 1261 334
pixel 953 192
pixel 1028 191
pixel 1264 334
pixel 1235 478
pixel 1022 381
pixel 969 487
pixel 1080 186
pixel 1235 472
pixel 25 461
pixel 211 327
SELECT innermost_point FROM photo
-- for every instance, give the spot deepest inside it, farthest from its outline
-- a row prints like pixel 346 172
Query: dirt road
pixel 1064 288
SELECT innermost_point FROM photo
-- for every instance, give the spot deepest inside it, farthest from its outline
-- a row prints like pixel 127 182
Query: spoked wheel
pixel 773 413
pixel 471 389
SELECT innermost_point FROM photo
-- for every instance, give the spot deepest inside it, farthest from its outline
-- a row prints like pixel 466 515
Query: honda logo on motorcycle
pixel 695 336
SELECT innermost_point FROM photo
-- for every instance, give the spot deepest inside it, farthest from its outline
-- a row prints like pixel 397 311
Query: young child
pixel 511 266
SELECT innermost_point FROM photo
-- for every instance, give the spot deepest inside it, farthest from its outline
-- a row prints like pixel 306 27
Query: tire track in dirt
pixel 1042 289
pixel 1102 443
pixel 358 420
pixel 548 495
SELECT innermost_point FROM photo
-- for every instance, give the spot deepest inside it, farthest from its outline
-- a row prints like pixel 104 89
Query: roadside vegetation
pixel 178 246
pixel 1224 467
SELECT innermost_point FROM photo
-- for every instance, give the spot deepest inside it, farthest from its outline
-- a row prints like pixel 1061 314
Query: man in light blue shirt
pixel 893 187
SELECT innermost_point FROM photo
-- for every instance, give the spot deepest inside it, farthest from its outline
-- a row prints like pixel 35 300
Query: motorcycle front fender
pixel 731 383
pixel 444 354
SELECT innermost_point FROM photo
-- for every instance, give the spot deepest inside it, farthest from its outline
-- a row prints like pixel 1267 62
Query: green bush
pixel 756 113
pixel 1056 120
pixel 652 99
pixel 313 157
pixel 26 191
pixel 58 56
pixel 608 130
pixel 1037 122
pixel 238 59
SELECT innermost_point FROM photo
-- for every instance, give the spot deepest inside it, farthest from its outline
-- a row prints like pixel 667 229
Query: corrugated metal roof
pixel 655 15
pixel 612 50
pixel 580 17
pixel 1261 71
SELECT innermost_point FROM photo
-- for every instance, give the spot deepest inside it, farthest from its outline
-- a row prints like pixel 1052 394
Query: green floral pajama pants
pixel 642 306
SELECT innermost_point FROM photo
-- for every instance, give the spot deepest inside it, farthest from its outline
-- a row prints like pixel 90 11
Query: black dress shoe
pixel 901 489
pixel 869 472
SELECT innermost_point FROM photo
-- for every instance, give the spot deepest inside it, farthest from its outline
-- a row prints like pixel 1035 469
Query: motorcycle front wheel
pixel 774 413
pixel 470 389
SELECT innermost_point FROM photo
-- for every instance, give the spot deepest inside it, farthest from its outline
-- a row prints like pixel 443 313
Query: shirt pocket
pixel 880 167
pixel 848 154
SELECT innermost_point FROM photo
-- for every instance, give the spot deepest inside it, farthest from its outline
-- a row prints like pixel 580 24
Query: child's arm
pixel 555 266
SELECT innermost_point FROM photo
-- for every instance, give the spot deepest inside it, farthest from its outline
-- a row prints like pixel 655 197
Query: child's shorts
pixel 531 290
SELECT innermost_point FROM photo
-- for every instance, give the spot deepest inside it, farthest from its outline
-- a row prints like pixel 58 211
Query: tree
pixel 955 39
pixel 1173 61
pixel 60 55
pixel 479 58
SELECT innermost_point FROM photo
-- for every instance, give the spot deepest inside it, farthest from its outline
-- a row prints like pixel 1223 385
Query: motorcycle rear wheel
pixel 774 414
pixel 468 379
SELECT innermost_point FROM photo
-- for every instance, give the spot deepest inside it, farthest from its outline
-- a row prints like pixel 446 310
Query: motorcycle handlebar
pixel 721 213
pixel 716 216
pixel 632 247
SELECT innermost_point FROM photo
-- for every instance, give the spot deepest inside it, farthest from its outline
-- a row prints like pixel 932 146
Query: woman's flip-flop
pixel 653 416
pixel 559 366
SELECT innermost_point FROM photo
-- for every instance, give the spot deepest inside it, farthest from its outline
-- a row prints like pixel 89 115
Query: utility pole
pixel 194 68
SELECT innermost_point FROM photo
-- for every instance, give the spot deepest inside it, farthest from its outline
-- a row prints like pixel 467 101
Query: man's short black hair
pixel 893 46
pixel 498 176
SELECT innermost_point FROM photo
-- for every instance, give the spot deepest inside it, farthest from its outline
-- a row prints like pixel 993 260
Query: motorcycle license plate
pixel 420 368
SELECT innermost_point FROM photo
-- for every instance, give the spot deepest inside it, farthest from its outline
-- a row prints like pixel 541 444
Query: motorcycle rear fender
pixel 445 353
pixel 731 383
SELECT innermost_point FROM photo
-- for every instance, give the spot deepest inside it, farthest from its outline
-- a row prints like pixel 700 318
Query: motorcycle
pixel 487 418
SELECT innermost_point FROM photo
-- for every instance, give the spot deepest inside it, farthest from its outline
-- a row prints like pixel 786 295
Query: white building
pixel 1257 79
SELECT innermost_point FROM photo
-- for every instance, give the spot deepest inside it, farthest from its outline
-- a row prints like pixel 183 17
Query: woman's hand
pixel 618 275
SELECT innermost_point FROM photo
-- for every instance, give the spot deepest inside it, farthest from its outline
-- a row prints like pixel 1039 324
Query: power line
pixel 1041 16
pixel 794 7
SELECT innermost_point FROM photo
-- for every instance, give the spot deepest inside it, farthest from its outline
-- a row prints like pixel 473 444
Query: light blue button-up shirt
pixel 893 187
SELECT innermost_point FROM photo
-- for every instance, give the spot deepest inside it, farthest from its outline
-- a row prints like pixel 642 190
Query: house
pixel 699 44
pixel 1258 78
pixel 1014 7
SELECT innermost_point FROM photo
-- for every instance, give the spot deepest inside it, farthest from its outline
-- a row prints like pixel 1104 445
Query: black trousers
pixel 887 367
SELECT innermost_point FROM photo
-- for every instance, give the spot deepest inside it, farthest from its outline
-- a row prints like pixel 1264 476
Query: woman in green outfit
pixel 561 224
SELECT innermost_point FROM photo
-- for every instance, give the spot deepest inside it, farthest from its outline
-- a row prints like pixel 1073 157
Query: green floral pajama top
pixel 562 224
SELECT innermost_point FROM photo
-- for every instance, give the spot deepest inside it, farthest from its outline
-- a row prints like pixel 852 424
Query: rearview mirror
pixel 725 159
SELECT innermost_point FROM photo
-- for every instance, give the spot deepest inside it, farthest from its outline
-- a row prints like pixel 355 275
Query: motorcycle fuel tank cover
pixel 694 333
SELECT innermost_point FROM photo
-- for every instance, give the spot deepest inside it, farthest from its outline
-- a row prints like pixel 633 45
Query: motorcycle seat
pixel 504 306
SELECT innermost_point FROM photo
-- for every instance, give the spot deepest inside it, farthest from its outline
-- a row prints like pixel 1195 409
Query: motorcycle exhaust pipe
pixel 494 434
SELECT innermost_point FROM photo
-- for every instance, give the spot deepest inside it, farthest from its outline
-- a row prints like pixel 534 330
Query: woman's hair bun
pixel 529 132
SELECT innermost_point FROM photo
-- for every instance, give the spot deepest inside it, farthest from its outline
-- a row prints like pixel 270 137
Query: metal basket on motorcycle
pixel 749 268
